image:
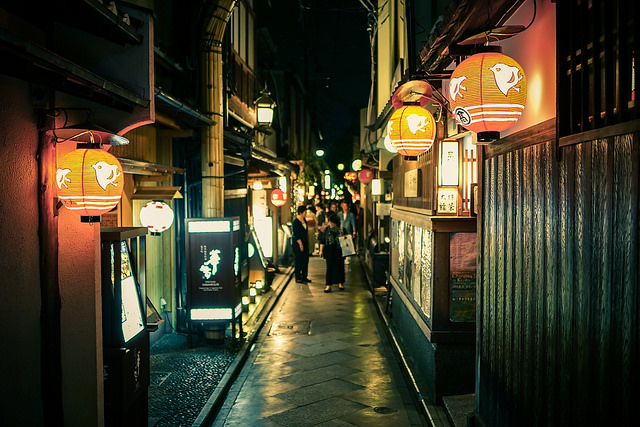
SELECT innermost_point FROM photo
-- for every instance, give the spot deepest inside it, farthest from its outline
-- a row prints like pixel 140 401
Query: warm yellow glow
pixel 257 185
pixel 534 94
pixel 376 187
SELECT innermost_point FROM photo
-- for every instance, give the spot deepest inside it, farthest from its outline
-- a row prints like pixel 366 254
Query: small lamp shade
pixel 89 182
pixel 156 216
pixel 412 130
pixel 365 176
pixel 278 197
pixel 264 109
pixel 487 92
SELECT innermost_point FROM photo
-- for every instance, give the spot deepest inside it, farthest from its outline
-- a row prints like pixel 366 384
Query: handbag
pixel 346 244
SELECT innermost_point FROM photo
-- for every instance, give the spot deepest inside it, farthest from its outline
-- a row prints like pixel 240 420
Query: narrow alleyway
pixel 322 358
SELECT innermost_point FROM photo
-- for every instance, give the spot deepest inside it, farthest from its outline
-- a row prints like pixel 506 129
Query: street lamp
pixel 264 108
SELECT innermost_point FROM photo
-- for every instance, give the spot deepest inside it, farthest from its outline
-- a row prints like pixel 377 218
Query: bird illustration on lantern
pixel 278 197
pixel 487 93
pixel 89 182
pixel 411 130
pixel 157 216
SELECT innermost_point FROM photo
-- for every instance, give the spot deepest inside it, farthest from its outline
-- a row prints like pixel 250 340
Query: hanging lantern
pixel 278 197
pixel 365 176
pixel 487 92
pixel 156 216
pixel 412 130
pixel 89 182
pixel 351 176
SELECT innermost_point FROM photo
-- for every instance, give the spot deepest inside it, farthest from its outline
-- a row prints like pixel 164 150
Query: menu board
pixel 131 312
pixel 462 277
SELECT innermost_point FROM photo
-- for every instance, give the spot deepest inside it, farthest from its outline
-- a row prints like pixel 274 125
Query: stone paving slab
pixel 339 372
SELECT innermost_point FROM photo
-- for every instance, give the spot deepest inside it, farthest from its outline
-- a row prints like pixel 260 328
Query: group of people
pixel 331 224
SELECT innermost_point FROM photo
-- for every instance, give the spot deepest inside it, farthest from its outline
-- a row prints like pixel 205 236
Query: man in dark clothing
pixel 300 243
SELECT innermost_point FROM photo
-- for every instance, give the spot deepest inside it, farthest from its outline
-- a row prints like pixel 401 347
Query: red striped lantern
pixel 487 92
pixel 412 130
pixel 365 176
pixel 278 197
pixel 89 182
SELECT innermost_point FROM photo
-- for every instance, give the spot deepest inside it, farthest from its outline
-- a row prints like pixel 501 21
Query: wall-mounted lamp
pixel 376 187
pixel 264 108
pixel 319 152
pixel 278 197
pixel 157 216
pixel 356 165
pixel 257 185
pixel 487 92
pixel 412 130
pixel 90 182
pixel 365 176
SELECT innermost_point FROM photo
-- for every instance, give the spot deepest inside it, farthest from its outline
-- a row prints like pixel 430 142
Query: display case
pixel 124 326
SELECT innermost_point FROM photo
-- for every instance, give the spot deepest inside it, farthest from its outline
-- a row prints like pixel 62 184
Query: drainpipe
pixel 217 15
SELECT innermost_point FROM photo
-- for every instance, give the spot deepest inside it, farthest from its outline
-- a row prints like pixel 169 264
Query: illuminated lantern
pixel 351 176
pixel 90 182
pixel 412 130
pixel 156 216
pixel 365 176
pixel 487 92
pixel 278 197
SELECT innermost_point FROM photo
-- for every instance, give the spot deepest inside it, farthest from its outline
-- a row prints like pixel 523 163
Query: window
pixel 597 46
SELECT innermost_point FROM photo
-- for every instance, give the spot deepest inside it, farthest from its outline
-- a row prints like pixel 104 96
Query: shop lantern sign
pixel 157 216
pixel 351 176
pixel 365 176
pixel 412 130
pixel 278 197
pixel 487 92
pixel 89 182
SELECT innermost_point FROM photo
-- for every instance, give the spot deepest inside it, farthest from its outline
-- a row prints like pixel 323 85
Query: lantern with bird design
pixel 412 130
pixel 487 93
pixel 89 182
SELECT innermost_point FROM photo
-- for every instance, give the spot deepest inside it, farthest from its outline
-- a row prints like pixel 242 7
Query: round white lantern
pixel 156 216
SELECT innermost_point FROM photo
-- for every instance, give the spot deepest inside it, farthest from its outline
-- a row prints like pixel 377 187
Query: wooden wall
pixel 559 297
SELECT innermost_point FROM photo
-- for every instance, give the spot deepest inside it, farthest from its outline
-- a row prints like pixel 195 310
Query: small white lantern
pixel 156 216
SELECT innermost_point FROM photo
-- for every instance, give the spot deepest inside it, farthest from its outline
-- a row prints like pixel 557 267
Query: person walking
pixel 321 219
pixel 300 243
pixel 331 252
pixel 347 222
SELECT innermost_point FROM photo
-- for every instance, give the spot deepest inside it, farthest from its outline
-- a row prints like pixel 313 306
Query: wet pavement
pixel 321 359
pixel 185 382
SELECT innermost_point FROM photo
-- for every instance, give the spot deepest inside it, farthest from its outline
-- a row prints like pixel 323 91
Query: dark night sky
pixel 326 42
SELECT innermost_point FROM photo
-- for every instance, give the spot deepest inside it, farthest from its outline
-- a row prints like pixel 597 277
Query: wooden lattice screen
pixel 597 75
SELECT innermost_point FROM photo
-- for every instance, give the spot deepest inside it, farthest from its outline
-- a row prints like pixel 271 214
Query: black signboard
pixel 213 268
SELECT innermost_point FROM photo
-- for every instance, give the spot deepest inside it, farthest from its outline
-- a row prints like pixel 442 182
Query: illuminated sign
pixel 213 267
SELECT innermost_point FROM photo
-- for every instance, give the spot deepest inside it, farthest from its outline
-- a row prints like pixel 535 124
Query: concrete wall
pixel 20 402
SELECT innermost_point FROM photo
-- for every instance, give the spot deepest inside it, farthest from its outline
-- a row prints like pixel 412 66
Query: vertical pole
pixel 51 358
pixel 212 136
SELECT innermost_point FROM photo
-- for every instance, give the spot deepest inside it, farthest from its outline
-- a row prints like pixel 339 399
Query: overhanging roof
pixel 462 19
pixel 23 59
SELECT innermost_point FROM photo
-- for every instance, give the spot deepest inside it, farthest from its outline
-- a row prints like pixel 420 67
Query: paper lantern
pixel 156 216
pixel 278 197
pixel 487 92
pixel 412 130
pixel 365 176
pixel 89 182
pixel 351 176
